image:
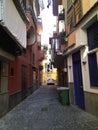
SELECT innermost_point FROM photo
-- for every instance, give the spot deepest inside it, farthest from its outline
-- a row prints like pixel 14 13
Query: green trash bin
pixel 63 95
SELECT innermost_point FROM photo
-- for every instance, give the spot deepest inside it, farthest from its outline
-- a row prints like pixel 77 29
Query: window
pixel 78 11
pixel 92 34
pixel 74 13
pixel 72 23
pixel 93 69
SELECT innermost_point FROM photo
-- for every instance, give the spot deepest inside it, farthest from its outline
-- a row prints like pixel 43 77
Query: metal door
pixel 78 84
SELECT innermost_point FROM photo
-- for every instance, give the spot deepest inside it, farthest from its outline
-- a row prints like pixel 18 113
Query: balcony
pixel 61 12
pixel 57 49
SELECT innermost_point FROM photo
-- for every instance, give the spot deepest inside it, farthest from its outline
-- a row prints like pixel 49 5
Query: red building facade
pixel 20 57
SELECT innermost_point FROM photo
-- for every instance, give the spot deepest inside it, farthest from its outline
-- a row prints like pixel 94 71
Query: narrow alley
pixel 43 111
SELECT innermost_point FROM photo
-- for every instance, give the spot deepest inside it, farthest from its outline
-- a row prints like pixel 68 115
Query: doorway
pixel 78 83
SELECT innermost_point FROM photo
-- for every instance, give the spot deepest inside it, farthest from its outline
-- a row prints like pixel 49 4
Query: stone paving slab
pixel 43 111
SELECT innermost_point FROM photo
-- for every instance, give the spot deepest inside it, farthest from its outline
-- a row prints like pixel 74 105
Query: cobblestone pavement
pixel 42 111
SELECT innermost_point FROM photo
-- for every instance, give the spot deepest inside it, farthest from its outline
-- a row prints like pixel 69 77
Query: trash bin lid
pixel 62 88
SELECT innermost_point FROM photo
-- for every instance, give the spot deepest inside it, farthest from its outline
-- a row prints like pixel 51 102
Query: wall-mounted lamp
pixel 69 66
pixel 83 62
pixel 65 69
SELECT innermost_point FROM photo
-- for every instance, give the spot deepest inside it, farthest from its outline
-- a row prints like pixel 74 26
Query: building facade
pixel 19 53
pixel 12 43
pixel 81 53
